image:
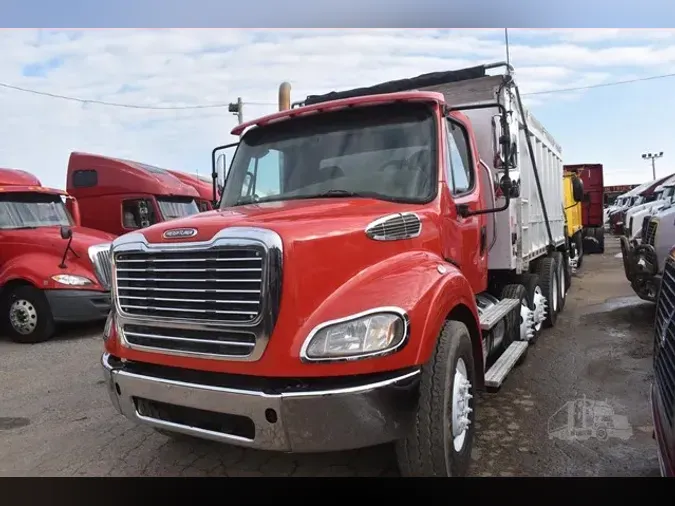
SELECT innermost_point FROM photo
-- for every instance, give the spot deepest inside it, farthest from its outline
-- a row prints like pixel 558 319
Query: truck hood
pixel 293 220
pixel 324 241
pixel 644 207
pixel 48 239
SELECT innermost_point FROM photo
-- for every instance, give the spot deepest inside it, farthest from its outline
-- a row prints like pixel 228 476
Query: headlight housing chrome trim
pixel 400 342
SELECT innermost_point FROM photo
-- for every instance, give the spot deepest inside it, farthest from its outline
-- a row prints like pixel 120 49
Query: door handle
pixel 483 239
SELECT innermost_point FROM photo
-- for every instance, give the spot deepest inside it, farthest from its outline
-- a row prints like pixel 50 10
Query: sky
pixel 612 125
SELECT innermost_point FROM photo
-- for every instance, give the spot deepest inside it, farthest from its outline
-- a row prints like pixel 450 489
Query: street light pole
pixel 237 108
pixel 652 157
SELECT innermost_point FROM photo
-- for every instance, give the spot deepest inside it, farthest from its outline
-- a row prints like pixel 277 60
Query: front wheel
pixel 28 317
pixel 441 437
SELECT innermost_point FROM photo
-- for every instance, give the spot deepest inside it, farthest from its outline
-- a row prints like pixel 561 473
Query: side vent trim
pixel 395 227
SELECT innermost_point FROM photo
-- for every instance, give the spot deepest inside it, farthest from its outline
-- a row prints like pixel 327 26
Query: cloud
pixel 186 67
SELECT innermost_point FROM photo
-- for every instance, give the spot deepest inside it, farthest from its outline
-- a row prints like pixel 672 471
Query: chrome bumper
pixel 294 421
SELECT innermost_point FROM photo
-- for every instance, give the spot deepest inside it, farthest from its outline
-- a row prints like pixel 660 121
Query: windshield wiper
pixel 27 227
pixel 338 193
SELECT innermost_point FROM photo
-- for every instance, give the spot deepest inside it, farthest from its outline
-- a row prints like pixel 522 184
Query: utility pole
pixel 237 108
pixel 652 157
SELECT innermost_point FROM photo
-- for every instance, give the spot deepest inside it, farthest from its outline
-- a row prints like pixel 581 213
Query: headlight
pixel 69 279
pixel 360 336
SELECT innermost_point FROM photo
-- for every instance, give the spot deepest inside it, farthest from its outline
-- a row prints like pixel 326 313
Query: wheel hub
pixel 526 322
pixel 461 397
pixel 540 305
pixel 23 316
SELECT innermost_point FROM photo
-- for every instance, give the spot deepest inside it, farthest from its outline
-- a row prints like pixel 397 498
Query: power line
pixel 614 83
pixel 223 105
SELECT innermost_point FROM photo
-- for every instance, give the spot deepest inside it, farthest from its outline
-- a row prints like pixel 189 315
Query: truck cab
pixel 638 216
pixel 573 188
pixel 592 208
pixel 119 196
pixel 52 270
pixel 643 194
pixel 378 256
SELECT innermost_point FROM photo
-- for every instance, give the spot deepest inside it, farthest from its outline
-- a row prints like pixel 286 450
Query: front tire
pixel 28 317
pixel 441 437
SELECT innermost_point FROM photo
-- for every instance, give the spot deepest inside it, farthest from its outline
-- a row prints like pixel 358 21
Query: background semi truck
pixel 379 255
pixel 52 270
pixel 592 177
pixel 119 196
pixel 637 217
pixel 207 199
pixel 573 197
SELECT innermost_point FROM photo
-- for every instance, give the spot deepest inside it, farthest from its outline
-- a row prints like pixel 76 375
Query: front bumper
pixel 641 265
pixel 292 419
pixel 666 465
pixel 78 306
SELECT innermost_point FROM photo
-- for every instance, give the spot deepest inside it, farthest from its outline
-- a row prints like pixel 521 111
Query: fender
pixel 420 282
pixel 37 269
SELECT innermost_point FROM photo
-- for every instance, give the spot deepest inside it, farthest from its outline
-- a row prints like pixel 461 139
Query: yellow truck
pixel 573 195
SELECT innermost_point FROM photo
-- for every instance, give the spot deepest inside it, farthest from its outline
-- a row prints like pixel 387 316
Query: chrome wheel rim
pixel 526 322
pixel 461 397
pixel 23 316
pixel 539 308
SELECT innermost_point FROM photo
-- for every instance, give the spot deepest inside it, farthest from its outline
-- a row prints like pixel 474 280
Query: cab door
pixel 463 180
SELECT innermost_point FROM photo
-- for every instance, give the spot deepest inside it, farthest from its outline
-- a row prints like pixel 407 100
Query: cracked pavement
pixel 56 418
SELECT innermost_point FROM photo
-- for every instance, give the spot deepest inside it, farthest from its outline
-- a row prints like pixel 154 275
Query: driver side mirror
pixel 66 233
pixel 505 142
pixel 219 168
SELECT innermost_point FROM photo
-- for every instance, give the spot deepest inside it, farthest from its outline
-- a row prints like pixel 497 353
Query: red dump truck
pixel 52 270
pixel 378 256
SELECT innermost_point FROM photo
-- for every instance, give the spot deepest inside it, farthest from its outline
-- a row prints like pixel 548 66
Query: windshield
pixel 384 152
pixel 177 207
pixel 31 210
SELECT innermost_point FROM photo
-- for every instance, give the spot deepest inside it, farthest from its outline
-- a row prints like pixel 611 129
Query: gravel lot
pixel 56 418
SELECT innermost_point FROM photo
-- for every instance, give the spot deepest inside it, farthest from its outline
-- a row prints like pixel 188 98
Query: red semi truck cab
pixel 359 282
pixel 204 187
pixel 120 196
pixel 52 270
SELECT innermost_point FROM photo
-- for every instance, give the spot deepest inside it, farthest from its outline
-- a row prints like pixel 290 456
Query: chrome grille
pixel 645 226
pixel 395 227
pixel 650 236
pixel 196 341
pixel 222 285
pixel 664 341
pixel 101 260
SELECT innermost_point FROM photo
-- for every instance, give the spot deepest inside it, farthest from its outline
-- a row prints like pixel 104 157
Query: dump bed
pixel 594 193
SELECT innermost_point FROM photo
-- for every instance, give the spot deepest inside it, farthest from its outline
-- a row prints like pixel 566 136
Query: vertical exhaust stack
pixel 284 96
